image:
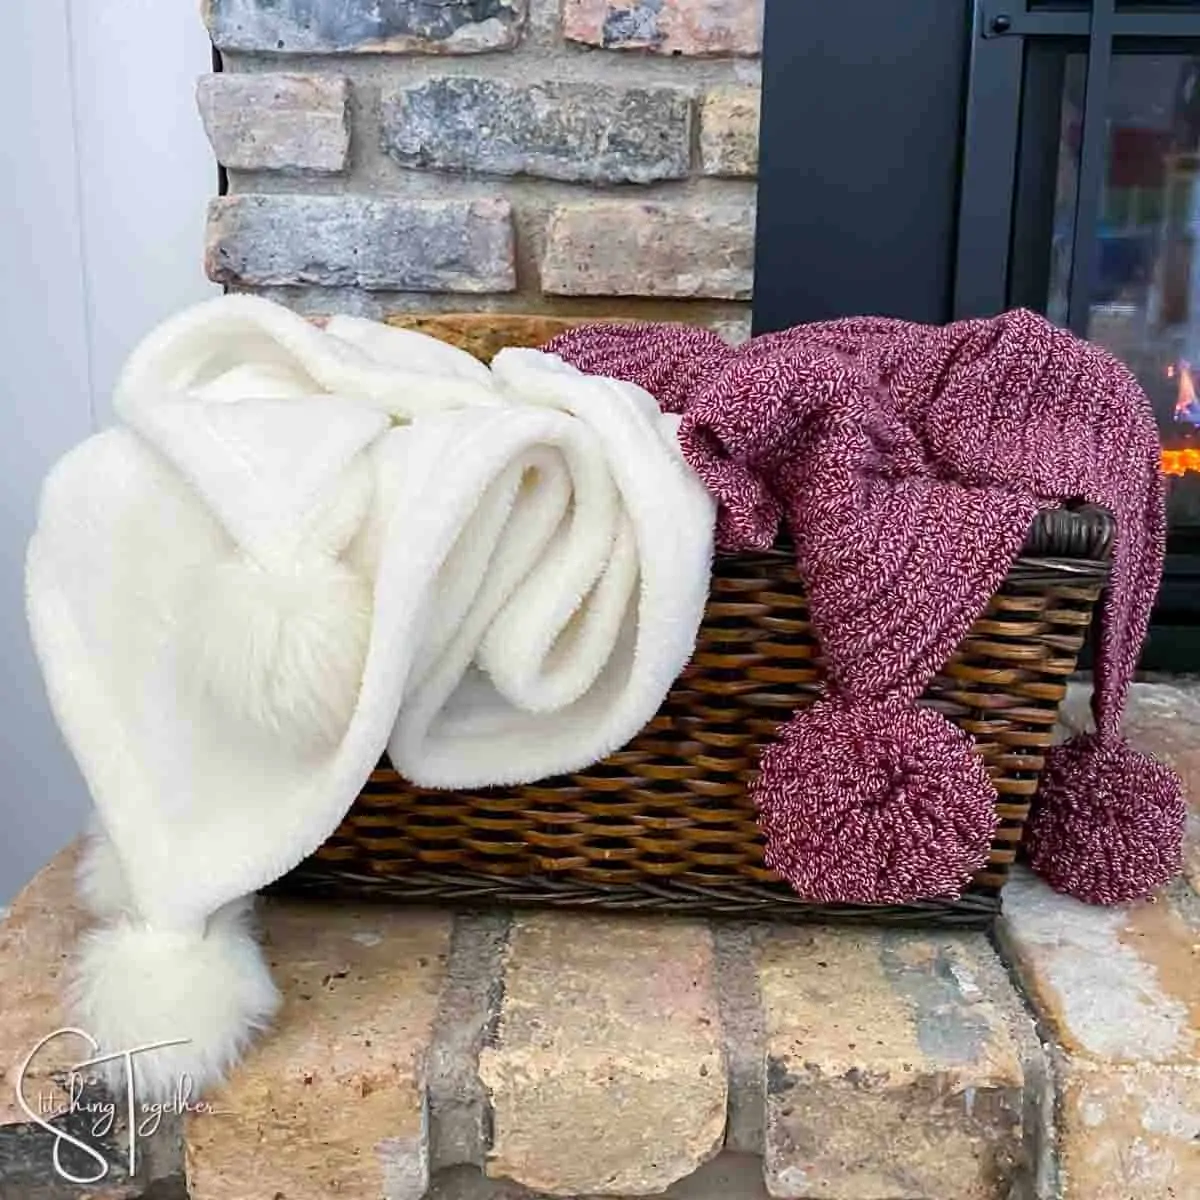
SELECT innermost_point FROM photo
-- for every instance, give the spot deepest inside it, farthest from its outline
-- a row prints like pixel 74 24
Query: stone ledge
pixel 492 1057
pixel 576 1055
pixel 1117 992
pixel 1112 985
pixel 1130 1134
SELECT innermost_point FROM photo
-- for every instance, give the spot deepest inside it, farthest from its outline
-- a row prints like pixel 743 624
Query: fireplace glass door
pixel 1143 300
pixel 1080 198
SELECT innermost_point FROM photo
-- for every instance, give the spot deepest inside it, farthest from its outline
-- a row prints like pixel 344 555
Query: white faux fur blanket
pixel 301 546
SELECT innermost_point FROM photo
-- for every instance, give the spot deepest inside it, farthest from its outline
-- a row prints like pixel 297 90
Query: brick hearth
pixel 508 1056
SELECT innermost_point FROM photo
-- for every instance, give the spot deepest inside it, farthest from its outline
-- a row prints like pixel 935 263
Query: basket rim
pixel 1085 531
pixel 1066 538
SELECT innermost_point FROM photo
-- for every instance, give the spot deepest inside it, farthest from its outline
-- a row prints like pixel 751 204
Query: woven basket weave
pixel 665 824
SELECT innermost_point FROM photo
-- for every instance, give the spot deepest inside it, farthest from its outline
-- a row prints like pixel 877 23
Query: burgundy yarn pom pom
pixel 878 802
pixel 1109 822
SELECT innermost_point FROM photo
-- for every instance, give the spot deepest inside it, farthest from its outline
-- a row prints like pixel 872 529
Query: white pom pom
pixel 100 878
pixel 279 652
pixel 135 985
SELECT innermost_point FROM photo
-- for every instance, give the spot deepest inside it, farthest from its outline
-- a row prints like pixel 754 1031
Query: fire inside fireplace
pixel 1181 454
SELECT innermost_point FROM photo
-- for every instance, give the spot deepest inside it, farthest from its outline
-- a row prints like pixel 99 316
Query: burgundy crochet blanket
pixel 908 462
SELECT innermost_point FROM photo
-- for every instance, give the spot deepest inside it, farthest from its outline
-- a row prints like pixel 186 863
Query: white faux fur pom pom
pixel 281 651
pixel 137 986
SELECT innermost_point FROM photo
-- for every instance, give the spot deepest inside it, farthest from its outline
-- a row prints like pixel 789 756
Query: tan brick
pixel 333 1102
pixel 607 1075
pixel 1130 1134
pixel 381 244
pixel 687 27
pixel 627 248
pixel 277 122
pixel 896 1065
pixel 729 131
pixel 37 939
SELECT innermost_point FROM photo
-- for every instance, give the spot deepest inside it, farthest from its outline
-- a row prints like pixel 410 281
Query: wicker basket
pixel 666 825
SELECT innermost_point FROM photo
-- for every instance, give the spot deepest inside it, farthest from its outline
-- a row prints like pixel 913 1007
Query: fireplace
pixel 1144 301
pixel 996 155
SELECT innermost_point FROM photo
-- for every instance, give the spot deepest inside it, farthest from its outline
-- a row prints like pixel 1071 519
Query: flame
pixel 1180 462
pixel 1186 408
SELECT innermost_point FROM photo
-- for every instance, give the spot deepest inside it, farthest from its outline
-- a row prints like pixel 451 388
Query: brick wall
pixel 573 157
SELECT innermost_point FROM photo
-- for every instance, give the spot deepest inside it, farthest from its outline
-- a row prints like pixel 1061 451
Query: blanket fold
pixel 302 547
pixel 908 462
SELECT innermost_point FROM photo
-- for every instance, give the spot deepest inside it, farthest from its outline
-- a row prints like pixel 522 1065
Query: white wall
pixel 104 177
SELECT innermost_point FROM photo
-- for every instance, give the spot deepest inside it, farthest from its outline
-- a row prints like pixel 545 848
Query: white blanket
pixel 302 546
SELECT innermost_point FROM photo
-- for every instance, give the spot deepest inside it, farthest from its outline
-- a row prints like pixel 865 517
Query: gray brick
pixel 629 248
pixel 277 122
pixel 365 26
pixel 357 241
pixel 583 132
pixel 896 1065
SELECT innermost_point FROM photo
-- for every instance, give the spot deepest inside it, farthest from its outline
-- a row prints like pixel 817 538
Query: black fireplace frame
pixel 902 173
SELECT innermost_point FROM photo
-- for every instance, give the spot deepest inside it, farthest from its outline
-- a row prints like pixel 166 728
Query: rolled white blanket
pixel 301 546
